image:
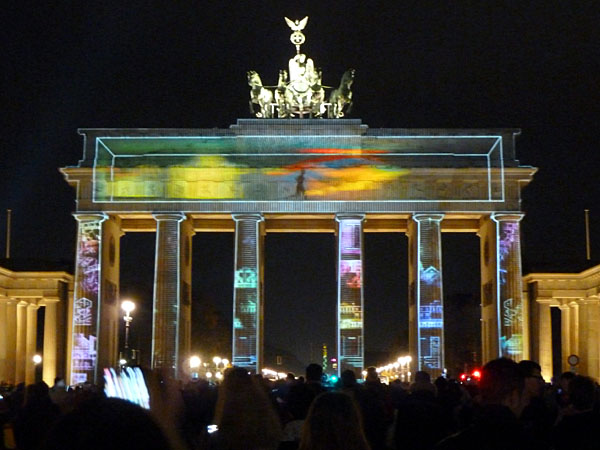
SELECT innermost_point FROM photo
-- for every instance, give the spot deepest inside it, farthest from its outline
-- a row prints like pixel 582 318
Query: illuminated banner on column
pixel 510 306
pixel 430 293
pixel 85 303
pixel 247 326
pixel 350 294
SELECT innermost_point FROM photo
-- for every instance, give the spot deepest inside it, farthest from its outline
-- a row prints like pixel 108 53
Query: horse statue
pixel 282 107
pixel 341 96
pixel 259 95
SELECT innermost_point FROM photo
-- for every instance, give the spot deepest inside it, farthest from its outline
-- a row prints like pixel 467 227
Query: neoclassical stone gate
pixel 310 175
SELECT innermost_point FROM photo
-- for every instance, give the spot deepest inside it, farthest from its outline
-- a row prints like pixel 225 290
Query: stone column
pixel 3 340
pixel 545 337
pixel 86 298
pixel 565 334
pixel 11 341
pixel 509 285
pixel 427 318
pixel 574 327
pixel 50 345
pixel 489 293
pixel 167 300
pixel 248 308
pixel 185 316
pixel 109 312
pixel 21 352
pixel 350 304
pixel 30 343
pixel 589 335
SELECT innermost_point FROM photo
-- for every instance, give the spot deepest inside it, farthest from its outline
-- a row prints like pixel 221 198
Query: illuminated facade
pixel 281 175
pixel 576 297
pixel 22 295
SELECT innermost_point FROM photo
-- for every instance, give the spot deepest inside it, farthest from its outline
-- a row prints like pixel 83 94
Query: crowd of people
pixel 511 407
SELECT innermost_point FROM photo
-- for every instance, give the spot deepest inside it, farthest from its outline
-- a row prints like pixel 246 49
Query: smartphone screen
pixel 128 384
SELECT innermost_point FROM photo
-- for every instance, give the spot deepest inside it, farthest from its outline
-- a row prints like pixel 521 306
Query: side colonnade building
pixel 574 301
pixel 295 175
pixel 23 294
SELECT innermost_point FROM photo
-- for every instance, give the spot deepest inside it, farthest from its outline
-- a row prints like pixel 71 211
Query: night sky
pixel 529 65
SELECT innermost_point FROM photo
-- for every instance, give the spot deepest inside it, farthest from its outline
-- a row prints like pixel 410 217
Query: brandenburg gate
pixel 300 166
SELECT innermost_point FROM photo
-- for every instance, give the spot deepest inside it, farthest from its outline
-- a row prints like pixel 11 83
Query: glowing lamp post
pixel 128 306
pixel 37 360
pixel 194 365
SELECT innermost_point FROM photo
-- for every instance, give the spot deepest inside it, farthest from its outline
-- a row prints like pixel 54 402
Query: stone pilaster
pixel 248 293
pixel 167 298
pixel 350 304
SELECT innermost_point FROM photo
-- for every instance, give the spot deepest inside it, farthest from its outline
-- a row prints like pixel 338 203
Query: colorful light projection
pixel 510 306
pixel 280 168
pixel 85 304
pixel 350 294
pixel 247 327
pixel 429 294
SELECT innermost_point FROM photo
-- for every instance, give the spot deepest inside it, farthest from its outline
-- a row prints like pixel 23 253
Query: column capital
pixel 175 217
pixel 247 216
pixel 340 217
pixel 507 217
pixel 430 217
pixel 93 217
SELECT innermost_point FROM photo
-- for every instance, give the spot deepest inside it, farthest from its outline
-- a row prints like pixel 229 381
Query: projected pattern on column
pixel 87 295
pixel 247 332
pixel 510 306
pixel 429 293
pixel 350 294
pixel 165 327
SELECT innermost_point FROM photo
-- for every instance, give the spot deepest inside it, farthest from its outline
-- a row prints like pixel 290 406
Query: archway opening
pixel 300 300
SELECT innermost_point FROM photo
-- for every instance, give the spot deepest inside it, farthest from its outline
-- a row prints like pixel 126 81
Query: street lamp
pixel 37 359
pixel 128 306
pixel 194 364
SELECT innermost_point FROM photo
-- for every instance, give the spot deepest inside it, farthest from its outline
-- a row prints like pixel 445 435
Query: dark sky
pixel 529 65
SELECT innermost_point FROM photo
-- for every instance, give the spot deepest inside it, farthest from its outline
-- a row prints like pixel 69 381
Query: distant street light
pixel 37 359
